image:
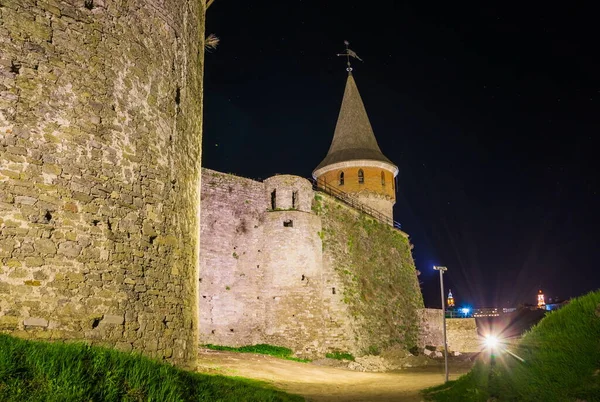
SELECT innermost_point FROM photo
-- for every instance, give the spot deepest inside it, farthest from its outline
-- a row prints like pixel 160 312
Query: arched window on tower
pixel 382 178
pixel 273 199
pixel 361 176
pixel 341 178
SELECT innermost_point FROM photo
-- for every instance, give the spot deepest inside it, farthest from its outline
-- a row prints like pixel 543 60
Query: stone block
pixel 34 261
pixel 44 246
pixel 9 322
pixel 69 249
pixel 22 199
pixel 113 319
pixel 6 247
pixel 35 322
pixel 124 346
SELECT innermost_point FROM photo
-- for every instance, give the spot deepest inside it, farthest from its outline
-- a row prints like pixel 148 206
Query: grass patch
pixel 32 371
pixel 562 362
pixel 263 349
pixel 340 356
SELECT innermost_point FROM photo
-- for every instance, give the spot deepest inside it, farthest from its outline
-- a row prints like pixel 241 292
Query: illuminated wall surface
pixel 100 143
pixel 284 265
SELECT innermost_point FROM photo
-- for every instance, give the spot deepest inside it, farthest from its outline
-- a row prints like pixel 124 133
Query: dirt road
pixel 318 383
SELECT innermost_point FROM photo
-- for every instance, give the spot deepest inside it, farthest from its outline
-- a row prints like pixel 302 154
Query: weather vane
pixel 349 53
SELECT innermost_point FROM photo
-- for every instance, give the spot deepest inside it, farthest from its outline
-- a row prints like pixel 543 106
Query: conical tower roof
pixel 353 138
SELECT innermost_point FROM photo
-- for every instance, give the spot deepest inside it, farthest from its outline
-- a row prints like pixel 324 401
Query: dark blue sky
pixel 491 113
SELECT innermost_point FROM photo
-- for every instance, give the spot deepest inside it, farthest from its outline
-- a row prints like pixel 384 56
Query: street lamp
pixel 442 269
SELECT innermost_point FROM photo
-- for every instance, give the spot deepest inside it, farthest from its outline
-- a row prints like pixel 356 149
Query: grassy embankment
pixel 40 371
pixel 562 362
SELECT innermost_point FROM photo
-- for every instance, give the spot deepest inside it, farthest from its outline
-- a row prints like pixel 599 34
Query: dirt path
pixel 318 383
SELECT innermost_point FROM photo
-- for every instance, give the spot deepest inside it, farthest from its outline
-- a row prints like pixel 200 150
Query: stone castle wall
pixel 377 293
pixel 461 333
pixel 100 144
pixel 275 269
pixel 260 267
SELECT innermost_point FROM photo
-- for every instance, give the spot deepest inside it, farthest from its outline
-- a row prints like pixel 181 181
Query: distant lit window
pixel 382 178
pixel 361 176
pixel 341 178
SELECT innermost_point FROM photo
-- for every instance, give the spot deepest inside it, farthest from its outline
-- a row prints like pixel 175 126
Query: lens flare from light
pixel 491 341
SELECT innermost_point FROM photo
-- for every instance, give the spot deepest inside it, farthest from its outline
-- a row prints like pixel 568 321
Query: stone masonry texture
pixel 100 146
pixel 284 265
pixel 461 333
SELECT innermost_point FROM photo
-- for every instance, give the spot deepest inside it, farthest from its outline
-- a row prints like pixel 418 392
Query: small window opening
pixel 288 223
pixel 341 178
pixel 273 199
pixel 15 68
pixel 177 96
pixel 89 4
pixel 230 329
pixel 333 290
pixel 96 322
pixel 212 332
pixel 303 277
pixel 48 216
pixel 382 178
pixel 361 176
pixel 295 199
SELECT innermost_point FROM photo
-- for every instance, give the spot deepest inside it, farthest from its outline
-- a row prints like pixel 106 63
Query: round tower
pixel 354 165
pixel 100 144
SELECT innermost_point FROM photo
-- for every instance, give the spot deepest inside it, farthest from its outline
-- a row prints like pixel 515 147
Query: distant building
pixel 487 312
pixel 555 304
pixel 540 300
pixel 450 301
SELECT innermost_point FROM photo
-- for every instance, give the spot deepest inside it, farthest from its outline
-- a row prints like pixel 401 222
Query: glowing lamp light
pixel 491 341
pixel 465 310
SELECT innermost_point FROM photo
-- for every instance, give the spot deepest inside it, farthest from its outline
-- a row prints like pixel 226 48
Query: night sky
pixel 491 114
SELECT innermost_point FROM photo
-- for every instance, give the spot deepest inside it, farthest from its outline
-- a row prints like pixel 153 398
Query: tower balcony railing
pixel 354 203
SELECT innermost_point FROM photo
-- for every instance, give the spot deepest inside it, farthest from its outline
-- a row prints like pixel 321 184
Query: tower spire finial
pixel 349 53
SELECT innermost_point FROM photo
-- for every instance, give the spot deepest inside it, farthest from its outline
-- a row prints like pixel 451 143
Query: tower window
pixel 273 199
pixel 382 178
pixel 341 178
pixel 288 223
pixel 361 176
pixel 295 200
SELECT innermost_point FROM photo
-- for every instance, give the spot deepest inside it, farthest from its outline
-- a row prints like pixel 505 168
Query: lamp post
pixel 442 269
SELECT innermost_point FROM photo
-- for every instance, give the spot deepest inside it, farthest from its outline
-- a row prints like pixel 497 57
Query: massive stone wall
pixel 371 266
pixel 461 333
pixel 100 143
pixel 280 266
pixel 260 263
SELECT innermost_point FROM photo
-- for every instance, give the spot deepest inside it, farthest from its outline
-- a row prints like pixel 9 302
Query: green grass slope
pixel 40 371
pixel 562 362
pixel 262 348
